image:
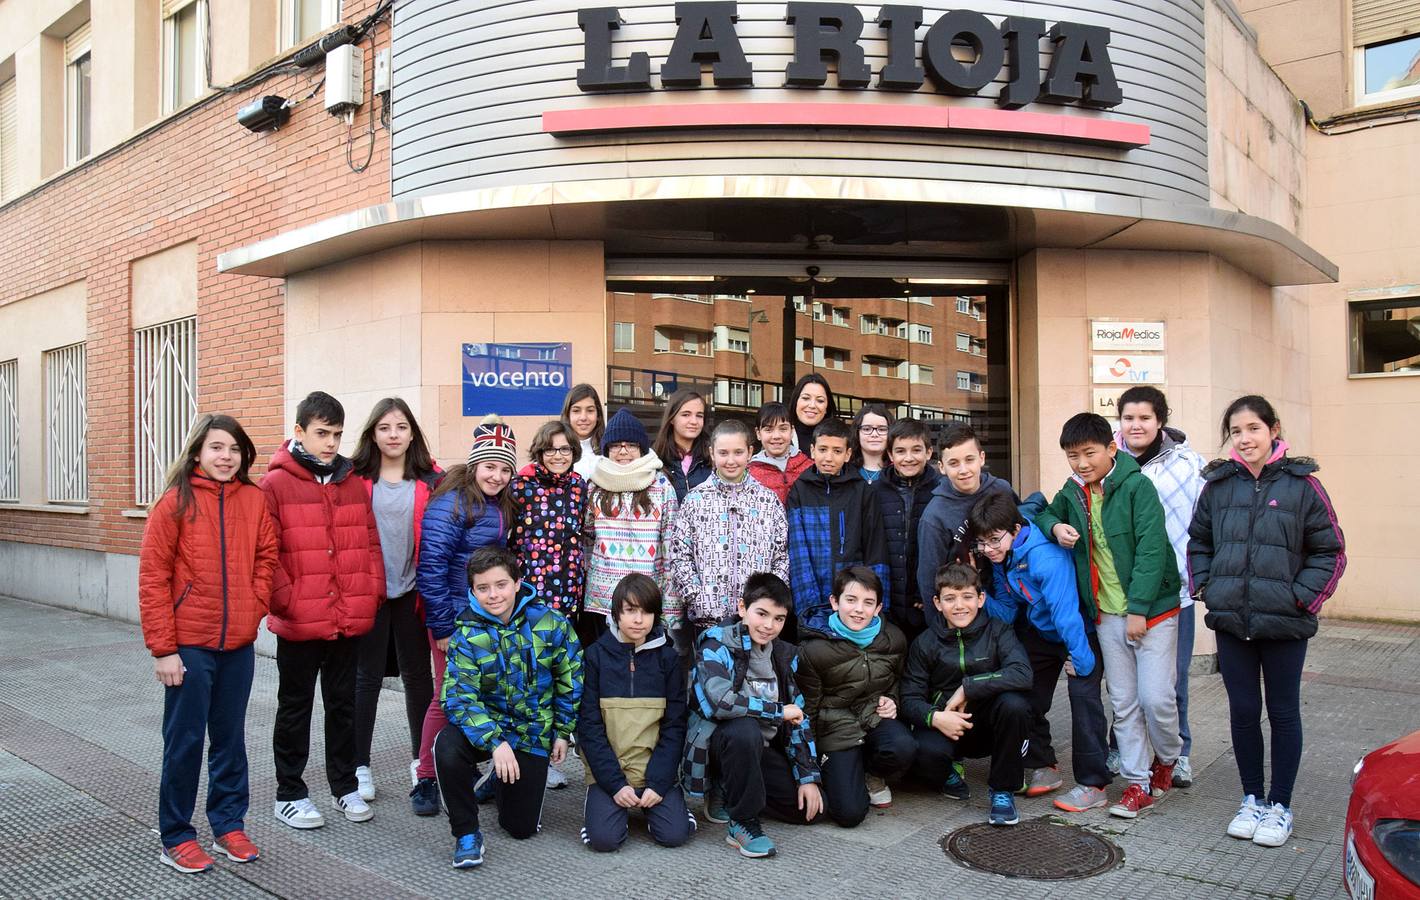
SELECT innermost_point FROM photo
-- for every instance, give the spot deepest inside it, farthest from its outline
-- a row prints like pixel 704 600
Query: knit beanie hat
pixel 624 428
pixel 493 441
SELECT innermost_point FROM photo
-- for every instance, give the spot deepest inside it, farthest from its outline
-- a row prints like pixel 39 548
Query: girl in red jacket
pixel 204 583
pixel 393 461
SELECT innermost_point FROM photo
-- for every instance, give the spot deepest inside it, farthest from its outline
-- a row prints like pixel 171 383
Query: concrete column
pixel 128 71
pixel 39 84
pixel 244 35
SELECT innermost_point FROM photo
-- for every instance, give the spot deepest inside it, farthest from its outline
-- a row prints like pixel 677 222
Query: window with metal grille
pixel 164 400
pixel 9 431
pixel 66 465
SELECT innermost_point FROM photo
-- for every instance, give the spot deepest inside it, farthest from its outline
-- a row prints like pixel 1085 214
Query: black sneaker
pixel 486 787
pixel 955 786
pixel 425 797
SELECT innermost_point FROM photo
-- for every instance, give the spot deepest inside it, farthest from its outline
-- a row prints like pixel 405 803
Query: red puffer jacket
pixel 331 580
pixel 777 480
pixel 204 579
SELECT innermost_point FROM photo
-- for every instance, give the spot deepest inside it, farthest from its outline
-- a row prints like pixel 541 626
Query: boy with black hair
pixel 965 693
pixel 1109 514
pixel 1034 588
pixel 944 536
pixel 325 595
pixel 834 522
pixel 631 725
pixel 748 732
pixel 778 464
pixel 511 691
pixel 849 674
pixel 904 491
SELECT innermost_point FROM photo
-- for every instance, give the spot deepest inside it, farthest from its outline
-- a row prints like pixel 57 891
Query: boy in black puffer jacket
pixel 632 723
pixel 904 490
pixel 966 693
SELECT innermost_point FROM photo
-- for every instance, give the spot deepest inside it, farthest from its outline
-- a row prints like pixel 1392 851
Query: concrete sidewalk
pixel 80 753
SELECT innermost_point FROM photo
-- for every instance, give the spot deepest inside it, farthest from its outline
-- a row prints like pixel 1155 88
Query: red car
pixel 1382 857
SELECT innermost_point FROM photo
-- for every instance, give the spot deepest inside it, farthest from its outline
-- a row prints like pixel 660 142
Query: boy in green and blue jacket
pixel 1108 513
pixel 511 692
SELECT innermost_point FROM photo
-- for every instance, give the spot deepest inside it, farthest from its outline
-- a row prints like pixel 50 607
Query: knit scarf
pixel 309 462
pixel 636 475
pixel 861 638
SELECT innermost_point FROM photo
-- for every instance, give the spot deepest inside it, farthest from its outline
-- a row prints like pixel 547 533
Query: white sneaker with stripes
pixel 300 813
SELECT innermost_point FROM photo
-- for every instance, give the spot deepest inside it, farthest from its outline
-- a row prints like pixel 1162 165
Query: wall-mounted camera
pixel 265 114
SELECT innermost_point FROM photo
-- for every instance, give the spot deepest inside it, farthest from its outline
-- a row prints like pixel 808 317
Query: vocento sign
pixel 515 379
pixel 1079 73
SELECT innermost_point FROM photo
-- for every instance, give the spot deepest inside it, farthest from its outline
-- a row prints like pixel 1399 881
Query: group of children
pixel 851 614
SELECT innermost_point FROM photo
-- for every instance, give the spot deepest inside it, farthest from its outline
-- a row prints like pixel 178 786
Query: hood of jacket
pixel 847 475
pixel 526 595
pixel 931 478
pixel 1171 441
pixel 1124 468
pixel 779 462
pixel 958 501
pixel 284 459
pixel 617 643
pixel 1277 461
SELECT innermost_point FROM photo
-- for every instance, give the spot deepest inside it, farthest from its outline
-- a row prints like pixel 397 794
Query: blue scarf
pixel 861 638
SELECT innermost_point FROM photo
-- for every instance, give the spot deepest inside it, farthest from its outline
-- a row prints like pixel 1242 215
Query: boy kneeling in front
pixel 632 723
pixel 979 666
pixel 511 691
pixel 748 732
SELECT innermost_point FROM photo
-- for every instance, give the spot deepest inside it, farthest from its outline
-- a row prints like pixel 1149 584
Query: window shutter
pixel 1373 21
pixel 9 143
pixel 76 44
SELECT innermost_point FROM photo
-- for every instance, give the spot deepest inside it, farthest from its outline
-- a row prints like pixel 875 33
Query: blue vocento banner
pixel 516 379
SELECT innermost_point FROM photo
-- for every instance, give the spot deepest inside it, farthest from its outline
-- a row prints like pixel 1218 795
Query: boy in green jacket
pixel 1109 514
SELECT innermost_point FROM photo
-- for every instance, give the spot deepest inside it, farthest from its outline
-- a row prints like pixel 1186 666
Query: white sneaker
pixel 414 773
pixel 1244 824
pixel 354 807
pixel 1275 827
pixel 879 795
pixel 555 779
pixel 365 783
pixel 300 813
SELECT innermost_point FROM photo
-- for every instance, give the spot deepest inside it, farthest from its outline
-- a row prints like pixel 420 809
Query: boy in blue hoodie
pixel 511 691
pixel 943 535
pixel 631 727
pixel 1034 588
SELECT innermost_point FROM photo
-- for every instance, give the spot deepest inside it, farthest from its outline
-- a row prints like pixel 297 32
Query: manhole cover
pixel 1042 849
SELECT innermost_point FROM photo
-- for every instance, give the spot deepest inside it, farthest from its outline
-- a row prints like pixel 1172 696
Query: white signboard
pixel 1127 368
pixel 1145 336
pixel 1106 402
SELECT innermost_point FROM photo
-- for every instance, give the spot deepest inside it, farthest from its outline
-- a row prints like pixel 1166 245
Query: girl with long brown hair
pixel 682 444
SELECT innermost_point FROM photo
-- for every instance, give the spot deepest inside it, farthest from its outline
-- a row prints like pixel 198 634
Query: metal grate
pixel 66 466
pixel 164 400
pixel 1043 849
pixel 9 431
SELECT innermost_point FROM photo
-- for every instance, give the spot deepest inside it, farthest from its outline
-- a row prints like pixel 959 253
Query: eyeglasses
pixel 557 451
pixel 995 543
pixel 623 445
pixel 873 429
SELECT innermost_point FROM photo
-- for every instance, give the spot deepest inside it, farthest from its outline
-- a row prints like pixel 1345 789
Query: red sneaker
pixel 187 857
pixel 1160 778
pixel 237 846
pixel 1134 801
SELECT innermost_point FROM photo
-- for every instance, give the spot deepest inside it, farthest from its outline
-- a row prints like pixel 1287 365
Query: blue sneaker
pixel 749 838
pixel 425 797
pixel 1003 809
pixel 955 786
pixel 468 851
pixel 715 807
pixel 486 787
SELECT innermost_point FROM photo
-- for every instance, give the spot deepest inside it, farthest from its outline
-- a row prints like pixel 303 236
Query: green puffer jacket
pixel 1134 525
pixel 842 683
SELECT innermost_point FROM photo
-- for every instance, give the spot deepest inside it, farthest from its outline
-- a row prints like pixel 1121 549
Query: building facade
pixel 1004 215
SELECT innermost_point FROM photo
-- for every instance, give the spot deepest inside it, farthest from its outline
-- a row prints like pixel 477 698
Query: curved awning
pixel 832 217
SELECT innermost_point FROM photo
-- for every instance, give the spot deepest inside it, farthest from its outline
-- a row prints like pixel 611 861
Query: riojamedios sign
pixel 1079 72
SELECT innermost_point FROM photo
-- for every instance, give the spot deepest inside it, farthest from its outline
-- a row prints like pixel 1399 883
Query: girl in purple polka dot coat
pixel 547 528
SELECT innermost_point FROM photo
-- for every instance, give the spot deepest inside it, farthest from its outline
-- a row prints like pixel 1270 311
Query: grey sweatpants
pixel 1141 676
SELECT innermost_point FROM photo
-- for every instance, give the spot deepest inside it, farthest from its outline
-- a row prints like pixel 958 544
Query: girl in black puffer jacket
pixel 1264 553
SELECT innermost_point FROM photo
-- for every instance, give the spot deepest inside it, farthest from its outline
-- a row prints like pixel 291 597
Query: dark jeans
pixel 211 702
pixel 519 803
pixel 298 665
pixel 1088 727
pixel 398 621
pixel 999 729
pixel 753 779
pixel 887 751
pixel 605 823
pixel 1245 667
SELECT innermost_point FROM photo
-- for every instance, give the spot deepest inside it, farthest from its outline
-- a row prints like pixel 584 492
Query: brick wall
pixel 199 176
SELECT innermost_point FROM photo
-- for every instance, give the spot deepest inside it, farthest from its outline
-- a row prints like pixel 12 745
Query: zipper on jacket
pixel 183 596
pixel 1247 560
pixel 633 671
pixel 222 547
pixel 961 656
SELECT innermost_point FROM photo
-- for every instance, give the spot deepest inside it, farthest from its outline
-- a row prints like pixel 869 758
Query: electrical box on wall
pixel 344 79
pixel 382 72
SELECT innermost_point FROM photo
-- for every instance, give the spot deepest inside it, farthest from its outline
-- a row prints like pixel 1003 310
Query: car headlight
pixel 1399 843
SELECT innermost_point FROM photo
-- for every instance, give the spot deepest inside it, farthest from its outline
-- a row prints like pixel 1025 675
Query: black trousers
pixel 886 751
pixel 753 779
pixel 604 827
pixel 519 803
pixel 397 621
pixel 299 664
pixel 999 729
pixel 1088 727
